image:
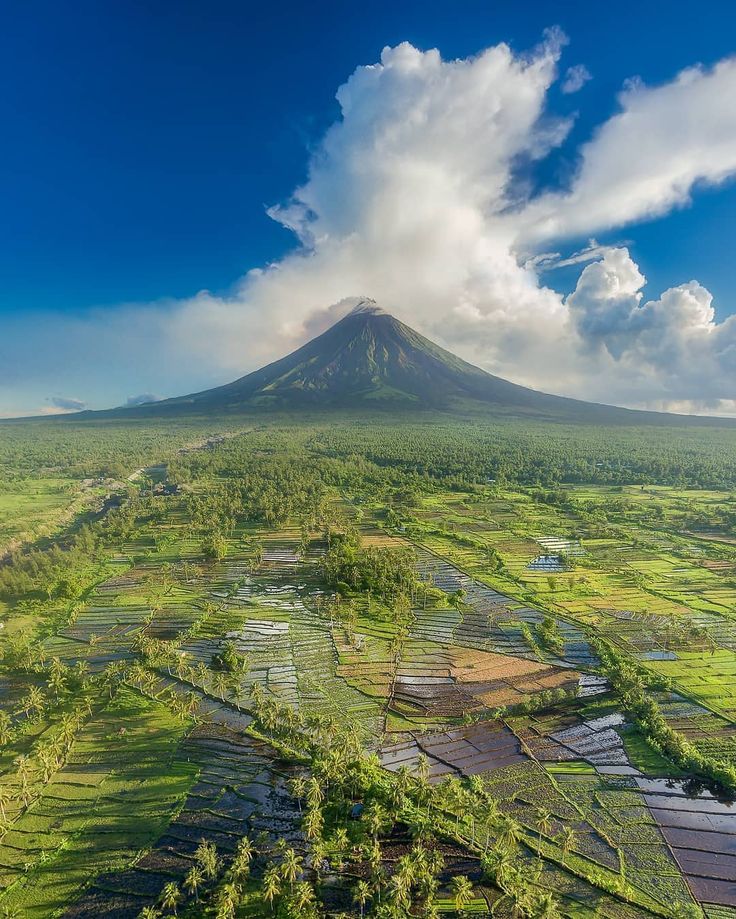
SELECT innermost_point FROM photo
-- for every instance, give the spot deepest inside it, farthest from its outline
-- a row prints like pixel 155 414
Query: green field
pixel 397 671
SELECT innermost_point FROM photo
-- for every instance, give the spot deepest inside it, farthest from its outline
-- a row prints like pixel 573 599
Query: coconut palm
pixel 518 896
pixel 462 891
pixel 362 895
pixel 548 908
pixel 220 685
pixel 567 840
pixel 171 897
pixel 291 867
pixel 400 888
pixel 149 912
pixel 377 819
pixel 271 884
pixel 23 765
pixel 313 823
pixel 303 899
pixel 476 785
pixel 315 794
pixel 496 865
pixel 544 825
pixel 341 842
pixel 228 901
pixel 35 701
pixel 193 881
pixel 48 763
pixel 243 855
pixel 298 786
pixel 5 728
pixel 58 674
pixel 509 832
pixel 206 857
pixel 5 798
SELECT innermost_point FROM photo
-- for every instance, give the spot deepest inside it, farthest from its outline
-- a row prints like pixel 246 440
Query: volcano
pixel 369 359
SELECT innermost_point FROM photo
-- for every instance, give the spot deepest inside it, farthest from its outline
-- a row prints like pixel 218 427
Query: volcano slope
pixel 371 361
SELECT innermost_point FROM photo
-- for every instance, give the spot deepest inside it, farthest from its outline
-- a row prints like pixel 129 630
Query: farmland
pixel 298 671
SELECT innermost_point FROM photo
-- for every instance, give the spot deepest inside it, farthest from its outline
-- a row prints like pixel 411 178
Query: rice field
pixel 494 678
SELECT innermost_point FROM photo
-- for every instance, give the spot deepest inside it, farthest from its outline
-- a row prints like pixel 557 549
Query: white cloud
pixel 647 158
pixel 413 198
pixel 143 398
pixel 403 203
pixel 60 404
pixel 575 78
pixel 673 346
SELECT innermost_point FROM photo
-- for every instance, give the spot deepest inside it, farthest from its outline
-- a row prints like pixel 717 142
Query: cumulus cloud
pixel 65 404
pixel 647 158
pixel 414 197
pixel 673 345
pixel 143 398
pixel 404 202
pixel 575 78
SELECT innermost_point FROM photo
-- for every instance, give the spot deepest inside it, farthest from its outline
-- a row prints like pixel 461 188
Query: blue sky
pixel 143 143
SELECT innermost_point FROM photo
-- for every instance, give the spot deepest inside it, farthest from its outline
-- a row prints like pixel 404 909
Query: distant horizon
pixel 547 199
pixel 194 404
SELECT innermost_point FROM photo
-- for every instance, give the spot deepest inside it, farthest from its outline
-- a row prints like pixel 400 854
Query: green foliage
pixel 384 572
pixel 229 659
pixel 214 546
pixel 549 634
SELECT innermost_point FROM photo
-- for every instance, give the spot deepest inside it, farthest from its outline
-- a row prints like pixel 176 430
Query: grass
pixel 81 827
pixel 34 507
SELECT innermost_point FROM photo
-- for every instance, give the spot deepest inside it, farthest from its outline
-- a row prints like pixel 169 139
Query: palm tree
pixel 193 881
pixel 567 839
pixel 23 765
pixel 548 908
pixel 271 884
pixel 236 688
pixel 243 855
pixel 315 795
pixel 35 701
pixel 462 891
pixel 400 886
pixel 48 763
pixel 490 818
pixel 57 676
pixel 456 598
pixel 377 819
pixel 544 825
pixel 220 685
pixel 170 896
pixel 298 787
pixel 206 856
pixel 149 912
pixel 291 867
pixel 5 798
pixel 228 901
pixel 362 895
pixel 496 865
pixel 518 895
pixel 303 898
pixel 509 832
pixel 313 823
pixel 5 728
pixel 138 674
